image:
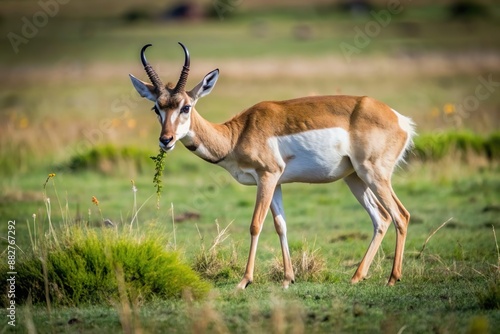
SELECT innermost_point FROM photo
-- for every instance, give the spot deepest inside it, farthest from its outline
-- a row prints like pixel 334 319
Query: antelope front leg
pixel 280 225
pixel 265 189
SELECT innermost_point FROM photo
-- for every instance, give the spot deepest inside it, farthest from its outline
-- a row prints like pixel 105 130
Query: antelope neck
pixel 211 142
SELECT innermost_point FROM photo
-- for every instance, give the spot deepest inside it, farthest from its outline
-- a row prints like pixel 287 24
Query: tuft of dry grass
pixel 308 264
pixel 215 262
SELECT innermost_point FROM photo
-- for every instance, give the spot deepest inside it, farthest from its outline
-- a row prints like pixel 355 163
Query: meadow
pixel 68 108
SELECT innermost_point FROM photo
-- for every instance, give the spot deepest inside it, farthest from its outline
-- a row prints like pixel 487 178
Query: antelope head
pixel 174 106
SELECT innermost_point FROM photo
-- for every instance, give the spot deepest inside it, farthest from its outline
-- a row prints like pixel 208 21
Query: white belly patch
pixel 315 156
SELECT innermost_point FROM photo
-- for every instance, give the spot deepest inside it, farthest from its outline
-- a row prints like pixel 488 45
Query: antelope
pixel 314 139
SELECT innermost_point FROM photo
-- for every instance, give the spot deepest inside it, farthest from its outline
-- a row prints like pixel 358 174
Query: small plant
pixel 159 161
pixel 51 175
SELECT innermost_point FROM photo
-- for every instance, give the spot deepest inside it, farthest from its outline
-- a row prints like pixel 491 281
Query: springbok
pixel 315 139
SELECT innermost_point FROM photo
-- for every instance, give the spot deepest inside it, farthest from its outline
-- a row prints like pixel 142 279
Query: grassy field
pixel 66 92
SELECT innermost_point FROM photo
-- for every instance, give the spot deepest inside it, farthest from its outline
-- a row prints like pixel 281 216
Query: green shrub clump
pixel 435 146
pixel 88 266
pixel 109 158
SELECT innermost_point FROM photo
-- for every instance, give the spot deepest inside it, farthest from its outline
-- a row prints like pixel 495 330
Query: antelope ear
pixel 145 89
pixel 205 86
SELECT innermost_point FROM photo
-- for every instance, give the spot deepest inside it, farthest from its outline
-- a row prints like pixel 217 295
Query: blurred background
pixel 67 105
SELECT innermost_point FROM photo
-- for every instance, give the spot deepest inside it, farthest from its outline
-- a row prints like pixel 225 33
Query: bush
pixel 83 269
pixel 492 146
pixel 436 146
pixel 110 159
pixel 135 15
pixel 467 9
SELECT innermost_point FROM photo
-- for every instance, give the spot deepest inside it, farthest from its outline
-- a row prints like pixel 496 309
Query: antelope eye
pixel 185 109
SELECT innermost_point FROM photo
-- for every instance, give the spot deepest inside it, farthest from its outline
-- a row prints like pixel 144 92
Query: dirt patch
pixel 491 208
pixel 185 216
pixel 350 236
pixel 11 196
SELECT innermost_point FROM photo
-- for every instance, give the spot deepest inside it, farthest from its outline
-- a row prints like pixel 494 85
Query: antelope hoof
pixel 243 284
pixel 287 282
pixel 393 281
pixel 357 278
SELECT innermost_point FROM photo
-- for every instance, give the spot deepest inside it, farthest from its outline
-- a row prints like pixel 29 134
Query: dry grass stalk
pixel 278 316
pixel 205 318
pixel 128 315
pixel 46 280
pixel 498 251
pixel 220 237
pixel 286 317
pixel 28 316
pixel 430 236
pixel 173 224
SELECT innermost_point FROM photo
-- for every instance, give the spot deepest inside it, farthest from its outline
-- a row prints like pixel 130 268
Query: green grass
pixel 450 306
pixel 66 95
pixel 452 286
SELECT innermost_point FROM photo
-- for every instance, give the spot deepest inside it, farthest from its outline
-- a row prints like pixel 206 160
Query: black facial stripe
pixel 155 108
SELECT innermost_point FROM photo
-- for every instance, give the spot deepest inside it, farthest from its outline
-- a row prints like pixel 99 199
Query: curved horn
pixel 155 79
pixel 185 71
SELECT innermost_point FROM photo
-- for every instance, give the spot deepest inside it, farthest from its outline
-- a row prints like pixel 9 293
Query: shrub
pixel 110 159
pixel 435 146
pixel 84 267
pixel 467 9
pixel 492 146
pixel 135 15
